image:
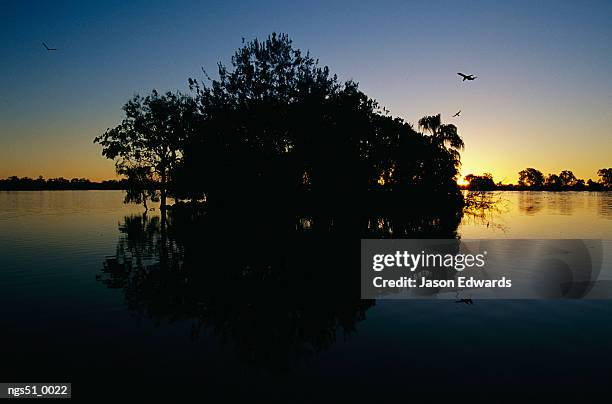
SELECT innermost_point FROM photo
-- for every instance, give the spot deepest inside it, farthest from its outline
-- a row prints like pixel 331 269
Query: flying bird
pixel 47 48
pixel 469 77
pixel 458 113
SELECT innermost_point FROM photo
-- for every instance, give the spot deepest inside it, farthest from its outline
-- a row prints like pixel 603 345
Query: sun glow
pixel 462 182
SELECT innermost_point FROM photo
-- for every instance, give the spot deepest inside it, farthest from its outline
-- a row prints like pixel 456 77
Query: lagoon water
pixel 60 322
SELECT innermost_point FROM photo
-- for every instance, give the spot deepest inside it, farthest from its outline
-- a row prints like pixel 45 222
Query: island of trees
pixel 277 170
pixel 277 130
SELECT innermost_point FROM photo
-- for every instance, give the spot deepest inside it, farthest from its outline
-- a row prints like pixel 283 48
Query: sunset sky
pixel 543 97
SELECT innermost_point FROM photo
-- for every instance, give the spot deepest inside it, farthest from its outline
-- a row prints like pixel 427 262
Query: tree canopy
pixel 280 122
pixel 281 129
pixel 149 141
pixel 605 175
pixel 530 177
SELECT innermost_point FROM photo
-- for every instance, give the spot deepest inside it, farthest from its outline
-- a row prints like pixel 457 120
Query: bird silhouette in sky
pixel 458 113
pixel 47 48
pixel 468 77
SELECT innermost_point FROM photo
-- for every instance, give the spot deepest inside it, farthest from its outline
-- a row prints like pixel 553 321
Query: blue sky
pixel 543 97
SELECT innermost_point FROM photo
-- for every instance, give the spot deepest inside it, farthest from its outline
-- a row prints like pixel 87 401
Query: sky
pixel 543 97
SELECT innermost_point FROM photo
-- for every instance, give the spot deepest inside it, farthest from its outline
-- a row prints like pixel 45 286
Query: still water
pixel 64 320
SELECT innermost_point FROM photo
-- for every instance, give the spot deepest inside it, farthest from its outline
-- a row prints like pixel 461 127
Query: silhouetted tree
pixel 553 182
pixel 594 185
pixel 567 178
pixel 605 177
pixel 40 182
pixel 59 183
pixel 140 184
pixel 276 125
pixel 276 131
pixel 442 134
pixel 480 182
pixel 151 136
pixel 270 124
pixel 530 177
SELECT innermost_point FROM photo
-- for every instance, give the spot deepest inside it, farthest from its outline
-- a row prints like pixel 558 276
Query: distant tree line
pixel 15 183
pixel 532 179
pixel 278 130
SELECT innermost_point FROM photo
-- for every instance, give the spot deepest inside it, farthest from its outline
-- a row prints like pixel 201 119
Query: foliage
pixel 530 177
pixel 567 178
pixel 553 181
pixel 443 135
pixel 276 124
pixel 140 184
pixel 150 137
pixel 480 182
pixel 605 175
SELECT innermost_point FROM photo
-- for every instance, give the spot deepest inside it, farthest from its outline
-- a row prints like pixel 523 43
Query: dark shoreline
pixel 102 188
pixel 61 189
pixel 536 190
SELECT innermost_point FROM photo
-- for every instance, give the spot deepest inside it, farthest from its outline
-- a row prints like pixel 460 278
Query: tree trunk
pixel 162 206
pixel 162 203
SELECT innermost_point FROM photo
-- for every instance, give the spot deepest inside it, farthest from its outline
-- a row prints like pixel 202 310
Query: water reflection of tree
pixel 276 286
pixel 604 204
pixel 530 202
pixel 562 203
pixel 483 208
